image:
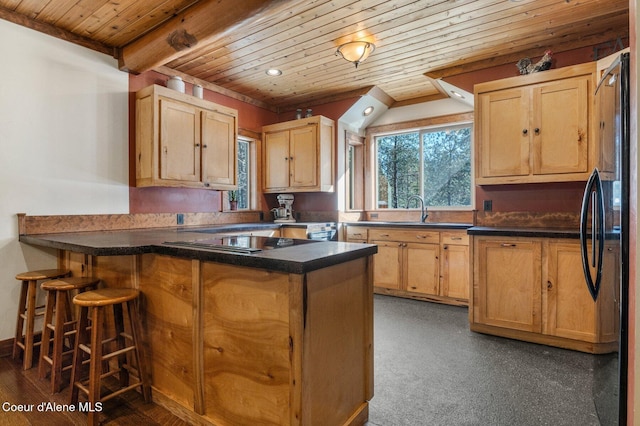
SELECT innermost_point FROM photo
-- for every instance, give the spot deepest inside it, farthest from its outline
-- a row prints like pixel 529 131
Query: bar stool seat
pixel 90 343
pixel 63 326
pixel 28 311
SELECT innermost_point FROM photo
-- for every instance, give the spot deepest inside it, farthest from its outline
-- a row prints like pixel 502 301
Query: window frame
pixel 423 127
pixel 252 183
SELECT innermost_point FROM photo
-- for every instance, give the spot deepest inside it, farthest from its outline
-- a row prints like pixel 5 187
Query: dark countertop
pixel 296 259
pixel 410 225
pixel 533 232
pixel 524 232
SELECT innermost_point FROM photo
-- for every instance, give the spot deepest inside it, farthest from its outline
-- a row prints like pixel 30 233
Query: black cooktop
pixel 240 243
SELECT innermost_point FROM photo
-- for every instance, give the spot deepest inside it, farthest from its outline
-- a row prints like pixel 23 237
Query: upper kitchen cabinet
pixel 298 155
pixel 536 128
pixel 184 141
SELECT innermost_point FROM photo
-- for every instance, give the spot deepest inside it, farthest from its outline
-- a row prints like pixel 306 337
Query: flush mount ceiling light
pixel 367 111
pixel 273 72
pixel 356 51
pixel 453 92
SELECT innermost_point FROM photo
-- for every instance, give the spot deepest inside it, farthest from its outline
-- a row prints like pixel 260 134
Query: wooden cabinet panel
pixel 509 275
pixel 276 154
pixel 560 132
pixel 184 141
pixel 166 284
pixel 503 128
pixel 303 156
pixel 418 263
pixel 179 141
pixel 387 264
pixel 421 263
pixel 293 232
pixel 537 128
pixel 571 312
pixel 455 271
pixel 219 149
pixel 534 289
pixel 298 156
pixel 357 234
pixel 246 341
pixel 418 236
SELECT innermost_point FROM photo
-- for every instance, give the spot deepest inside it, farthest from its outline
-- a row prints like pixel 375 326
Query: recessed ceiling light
pixel 453 92
pixel 273 72
pixel 368 110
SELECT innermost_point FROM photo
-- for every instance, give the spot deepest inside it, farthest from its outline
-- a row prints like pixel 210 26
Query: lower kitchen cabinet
pixel 509 274
pixel 431 265
pixel 533 289
pixel 387 270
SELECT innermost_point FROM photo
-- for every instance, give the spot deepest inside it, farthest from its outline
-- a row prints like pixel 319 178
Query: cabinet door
pixel 504 134
pixel 219 152
pixel 455 271
pixel 509 274
pixel 560 127
pixel 421 263
pixel 303 156
pixel 570 309
pixel 179 141
pixel 276 165
pixel 386 264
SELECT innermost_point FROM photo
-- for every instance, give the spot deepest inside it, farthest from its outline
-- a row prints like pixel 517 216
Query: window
pixel 244 174
pixel 434 163
pixel 247 175
pixel 355 171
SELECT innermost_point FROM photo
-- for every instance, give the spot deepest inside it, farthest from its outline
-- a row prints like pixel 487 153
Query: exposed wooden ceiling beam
pixel 202 23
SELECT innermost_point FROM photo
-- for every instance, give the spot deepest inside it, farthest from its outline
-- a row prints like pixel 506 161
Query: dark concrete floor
pixel 431 370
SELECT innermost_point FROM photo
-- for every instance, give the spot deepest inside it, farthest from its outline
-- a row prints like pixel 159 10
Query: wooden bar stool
pixel 28 311
pixel 90 343
pixel 63 326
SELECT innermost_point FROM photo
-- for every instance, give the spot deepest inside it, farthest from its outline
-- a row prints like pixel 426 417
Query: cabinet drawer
pixel 455 238
pixel 356 233
pixel 410 236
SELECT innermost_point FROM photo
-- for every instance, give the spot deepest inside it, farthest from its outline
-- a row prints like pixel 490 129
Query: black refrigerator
pixel 604 225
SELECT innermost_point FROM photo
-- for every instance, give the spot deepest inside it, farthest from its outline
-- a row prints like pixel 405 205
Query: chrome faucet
pixel 423 208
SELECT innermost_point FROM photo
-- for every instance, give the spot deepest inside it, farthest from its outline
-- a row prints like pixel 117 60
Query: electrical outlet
pixel 180 219
pixel 487 205
pixel 374 215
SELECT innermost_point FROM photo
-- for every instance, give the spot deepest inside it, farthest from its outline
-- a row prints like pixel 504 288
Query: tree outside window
pixel 434 163
pixel 244 170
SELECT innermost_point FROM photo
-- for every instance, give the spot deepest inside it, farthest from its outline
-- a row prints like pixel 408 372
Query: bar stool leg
pixel 46 333
pixel 95 364
pixel 62 316
pixel 82 338
pixel 30 314
pixel 22 305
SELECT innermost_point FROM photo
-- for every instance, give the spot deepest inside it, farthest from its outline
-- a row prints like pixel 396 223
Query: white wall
pixel 63 144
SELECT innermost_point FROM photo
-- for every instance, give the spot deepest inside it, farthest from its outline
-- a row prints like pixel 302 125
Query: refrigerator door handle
pixel 593 195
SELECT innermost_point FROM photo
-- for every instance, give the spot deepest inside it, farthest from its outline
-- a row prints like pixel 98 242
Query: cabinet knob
pixel 537 131
pixel 286 158
pixel 507 245
pixel 197 145
pixel 525 131
pixel 290 158
pixel 204 146
pixel 549 285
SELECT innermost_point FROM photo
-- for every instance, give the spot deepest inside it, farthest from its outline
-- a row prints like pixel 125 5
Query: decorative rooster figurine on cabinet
pixel 526 67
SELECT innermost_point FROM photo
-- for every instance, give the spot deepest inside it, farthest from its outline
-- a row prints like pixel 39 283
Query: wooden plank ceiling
pixel 231 43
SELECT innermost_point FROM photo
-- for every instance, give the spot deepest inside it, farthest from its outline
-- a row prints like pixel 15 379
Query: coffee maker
pixel 284 213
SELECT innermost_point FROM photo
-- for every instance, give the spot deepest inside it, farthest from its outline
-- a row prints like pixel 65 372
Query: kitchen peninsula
pixel 280 335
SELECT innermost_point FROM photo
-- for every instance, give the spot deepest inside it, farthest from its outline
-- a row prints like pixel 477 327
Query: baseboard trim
pixel 6 347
